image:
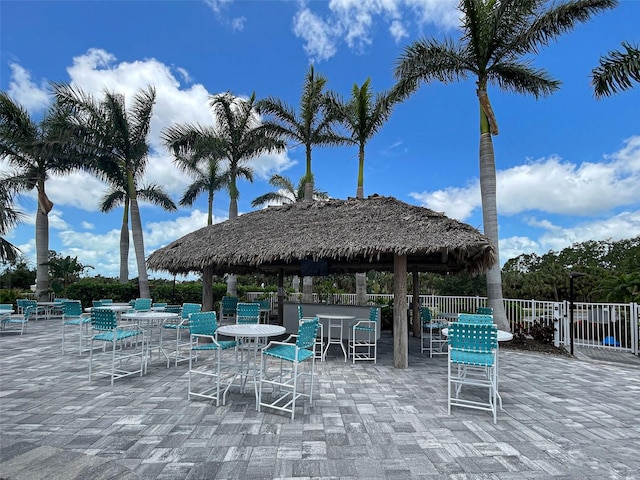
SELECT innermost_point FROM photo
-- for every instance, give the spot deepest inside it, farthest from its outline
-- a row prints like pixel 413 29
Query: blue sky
pixel 568 165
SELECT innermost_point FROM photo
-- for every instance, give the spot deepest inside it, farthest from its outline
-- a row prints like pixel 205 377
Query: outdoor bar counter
pixel 312 309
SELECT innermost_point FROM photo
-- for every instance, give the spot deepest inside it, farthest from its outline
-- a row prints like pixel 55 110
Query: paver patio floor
pixel 563 418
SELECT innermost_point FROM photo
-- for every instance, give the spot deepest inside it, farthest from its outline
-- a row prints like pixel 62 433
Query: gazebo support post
pixel 400 330
pixel 207 288
pixel 415 314
pixel 280 297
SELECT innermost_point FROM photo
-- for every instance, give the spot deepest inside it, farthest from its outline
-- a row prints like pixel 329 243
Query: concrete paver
pixel 564 418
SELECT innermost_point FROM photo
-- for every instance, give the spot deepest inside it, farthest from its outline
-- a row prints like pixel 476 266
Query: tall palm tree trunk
pixel 42 254
pixel 124 245
pixel 361 278
pixel 42 242
pixel 490 220
pixel 138 246
pixel 232 280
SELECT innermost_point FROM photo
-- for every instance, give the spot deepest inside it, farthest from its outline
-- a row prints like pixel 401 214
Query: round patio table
pixel 248 336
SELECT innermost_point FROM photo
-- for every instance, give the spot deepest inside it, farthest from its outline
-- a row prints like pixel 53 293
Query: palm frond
pixel 616 72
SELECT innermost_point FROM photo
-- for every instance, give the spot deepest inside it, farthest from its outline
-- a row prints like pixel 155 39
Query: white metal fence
pixel 612 326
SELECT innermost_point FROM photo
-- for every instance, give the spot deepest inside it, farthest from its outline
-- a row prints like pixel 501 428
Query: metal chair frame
pixel 107 331
pixel 431 333
pixel 203 337
pixel 363 338
pixel 287 384
pixel 472 361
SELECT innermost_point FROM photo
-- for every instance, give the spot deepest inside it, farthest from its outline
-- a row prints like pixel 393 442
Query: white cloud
pixel 218 7
pixel 354 22
pixel 318 35
pixel 552 186
pixel 97 70
pixel 22 90
pixel 397 30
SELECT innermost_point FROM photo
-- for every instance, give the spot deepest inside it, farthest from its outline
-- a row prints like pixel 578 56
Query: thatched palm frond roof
pixel 354 235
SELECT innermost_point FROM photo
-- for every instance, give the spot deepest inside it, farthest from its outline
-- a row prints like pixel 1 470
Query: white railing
pixel 612 326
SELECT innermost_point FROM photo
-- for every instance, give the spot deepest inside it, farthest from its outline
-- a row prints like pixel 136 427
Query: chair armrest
pixel 367 323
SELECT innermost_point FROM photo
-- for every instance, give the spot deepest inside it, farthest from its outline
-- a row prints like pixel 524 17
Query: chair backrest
pixel 71 308
pixel 190 308
pixel 425 315
pixel 307 331
pixel 173 309
pixel 5 306
pixel 142 304
pixel 106 301
pixel 484 311
pixel 247 313
pixel 96 303
pixel 228 305
pixel 300 315
pixel 475 318
pixel 472 337
pixel 28 311
pixel 29 303
pixel 160 304
pixel 103 319
pixel 203 323
pixel 373 314
pixel 264 304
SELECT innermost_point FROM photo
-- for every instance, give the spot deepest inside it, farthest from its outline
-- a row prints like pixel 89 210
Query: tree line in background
pixel 611 268
pixel 103 137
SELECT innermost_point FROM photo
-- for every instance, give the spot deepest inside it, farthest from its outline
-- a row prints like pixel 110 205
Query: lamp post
pixel 572 275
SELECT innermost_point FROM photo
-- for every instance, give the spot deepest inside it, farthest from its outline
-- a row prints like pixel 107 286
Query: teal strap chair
pixel 363 337
pixel 228 309
pixel 265 309
pixel 431 338
pixel 180 346
pixel 107 301
pixel 26 302
pixel 287 384
pixel 97 303
pixel 128 353
pixel 74 319
pixel 475 318
pixel 318 348
pixel 472 361
pixel 21 320
pixel 484 311
pixel 247 313
pixel 142 304
pixel 217 375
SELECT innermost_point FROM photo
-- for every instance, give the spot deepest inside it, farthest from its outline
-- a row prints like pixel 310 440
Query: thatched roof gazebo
pixel 335 236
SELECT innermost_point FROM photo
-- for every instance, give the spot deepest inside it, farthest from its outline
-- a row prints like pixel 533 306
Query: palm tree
pixel 36 150
pixel 497 38
pixel 198 154
pixel 310 127
pixel 239 136
pixel 363 116
pixel 115 140
pixel 616 71
pixel 286 192
pixel 9 218
pixel 117 195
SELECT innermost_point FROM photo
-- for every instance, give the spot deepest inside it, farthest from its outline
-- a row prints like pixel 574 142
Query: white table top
pixel 503 335
pixel 149 315
pixel 333 316
pixel 113 306
pixel 251 330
